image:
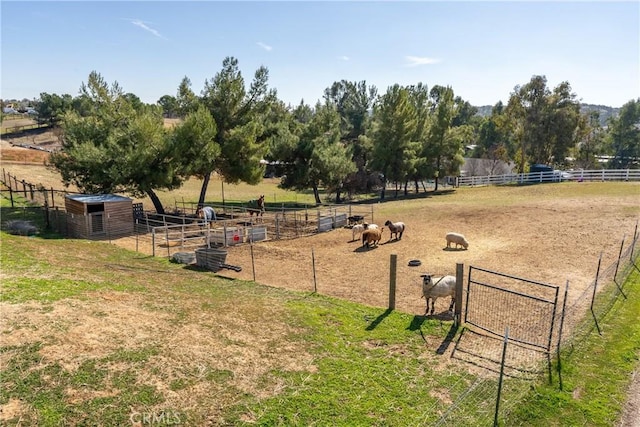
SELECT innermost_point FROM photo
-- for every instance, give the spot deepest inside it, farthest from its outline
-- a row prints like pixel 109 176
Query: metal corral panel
pixel 256 234
pixel 340 220
pixel 325 223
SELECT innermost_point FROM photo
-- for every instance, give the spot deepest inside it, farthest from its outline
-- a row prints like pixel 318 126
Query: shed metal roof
pixel 97 198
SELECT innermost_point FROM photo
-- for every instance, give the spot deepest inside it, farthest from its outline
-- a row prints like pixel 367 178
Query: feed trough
pixel 211 258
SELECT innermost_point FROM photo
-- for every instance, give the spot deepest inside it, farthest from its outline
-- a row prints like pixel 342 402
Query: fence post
pixel 253 262
pixel 393 268
pixel 504 353
pixel 53 200
pixel 615 280
pixel 46 211
pixel 593 297
pixel 313 266
pixel 11 194
pixel 564 311
pixel 24 188
pixel 31 191
pixel 457 316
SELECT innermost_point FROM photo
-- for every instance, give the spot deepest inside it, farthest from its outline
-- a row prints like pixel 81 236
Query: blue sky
pixel 482 49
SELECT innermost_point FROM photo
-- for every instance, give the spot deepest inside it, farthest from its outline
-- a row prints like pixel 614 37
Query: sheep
pixel 436 287
pixel 396 228
pixel 371 237
pixel 357 229
pixel 458 239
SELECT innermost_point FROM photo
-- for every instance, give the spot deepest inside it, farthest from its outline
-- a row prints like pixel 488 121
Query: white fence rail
pixel 554 176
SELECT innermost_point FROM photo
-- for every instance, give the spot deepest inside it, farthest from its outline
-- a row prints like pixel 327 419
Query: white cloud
pixel 265 46
pixel 343 57
pixel 141 24
pixel 413 61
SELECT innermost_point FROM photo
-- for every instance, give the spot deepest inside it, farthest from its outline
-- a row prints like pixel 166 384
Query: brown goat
pixel 371 236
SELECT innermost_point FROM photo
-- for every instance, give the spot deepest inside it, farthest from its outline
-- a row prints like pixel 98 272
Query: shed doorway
pixel 96 218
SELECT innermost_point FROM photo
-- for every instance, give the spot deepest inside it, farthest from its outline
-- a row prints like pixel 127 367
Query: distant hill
pixel 605 111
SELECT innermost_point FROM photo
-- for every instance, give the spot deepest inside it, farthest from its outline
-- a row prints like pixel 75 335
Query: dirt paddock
pixel 548 240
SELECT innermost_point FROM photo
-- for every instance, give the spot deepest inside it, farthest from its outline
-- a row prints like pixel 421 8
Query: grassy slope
pixel 359 373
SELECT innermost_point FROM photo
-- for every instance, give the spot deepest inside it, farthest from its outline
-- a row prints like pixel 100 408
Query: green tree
pixel 194 144
pixel 52 107
pixel 82 105
pixel 394 146
pixel 625 136
pixel 354 101
pixel 494 138
pixel 240 116
pixel 312 151
pixel 419 97
pixel 186 100
pixel 169 105
pixel 547 121
pixel 591 141
pixel 443 148
pixel 116 148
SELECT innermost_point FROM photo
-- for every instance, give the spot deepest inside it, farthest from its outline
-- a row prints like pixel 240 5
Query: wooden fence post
pixel 393 268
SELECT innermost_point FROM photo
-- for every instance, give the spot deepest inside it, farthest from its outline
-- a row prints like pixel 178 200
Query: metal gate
pixel 496 301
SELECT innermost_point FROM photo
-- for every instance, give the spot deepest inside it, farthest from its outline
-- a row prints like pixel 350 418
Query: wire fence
pixel 508 372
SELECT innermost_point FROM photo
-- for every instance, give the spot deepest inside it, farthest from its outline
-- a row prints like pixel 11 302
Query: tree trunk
pixel 337 196
pixel 406 187
pixel 316 194
pixel 156 201
pixel 436 184
pixel 203 189
pixel 415 181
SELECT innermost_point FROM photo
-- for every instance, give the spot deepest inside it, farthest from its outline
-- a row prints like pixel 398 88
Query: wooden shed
pixel 98 216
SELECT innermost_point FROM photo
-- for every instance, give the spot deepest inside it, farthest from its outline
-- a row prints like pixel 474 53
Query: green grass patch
pixel 371 368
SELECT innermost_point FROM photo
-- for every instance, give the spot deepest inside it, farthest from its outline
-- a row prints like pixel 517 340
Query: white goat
pixel 368 226
pixel 436 287
pixel 456 238
pixel 357 229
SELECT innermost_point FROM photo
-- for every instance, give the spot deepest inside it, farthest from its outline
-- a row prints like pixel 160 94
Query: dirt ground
pixel 552 243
